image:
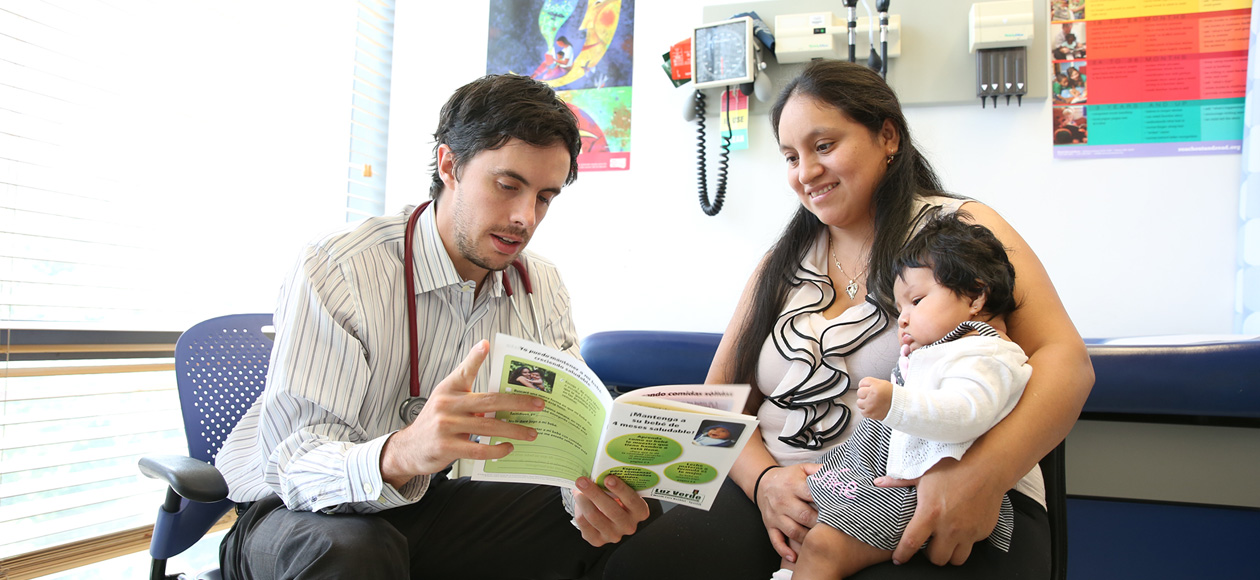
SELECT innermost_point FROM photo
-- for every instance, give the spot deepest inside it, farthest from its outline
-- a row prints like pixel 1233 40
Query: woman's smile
pixel 822 192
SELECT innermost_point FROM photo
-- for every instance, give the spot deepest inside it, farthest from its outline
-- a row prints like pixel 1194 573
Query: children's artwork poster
pixel 1164 78
pixel 584 49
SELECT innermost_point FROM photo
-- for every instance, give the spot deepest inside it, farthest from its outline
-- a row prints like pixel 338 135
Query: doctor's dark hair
pixel 861 95
pixel 484 114
pixel 964 257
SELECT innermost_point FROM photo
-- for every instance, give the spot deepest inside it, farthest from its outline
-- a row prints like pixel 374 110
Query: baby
pixel 957 377
pixel 715 436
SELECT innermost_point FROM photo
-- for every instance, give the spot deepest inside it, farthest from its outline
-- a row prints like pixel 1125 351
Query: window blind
pixel 369 117
pixel 69 450
pixel 70 248
pixel 160 163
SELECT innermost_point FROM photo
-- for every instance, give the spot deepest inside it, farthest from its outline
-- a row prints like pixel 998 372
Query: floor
pixel 202 555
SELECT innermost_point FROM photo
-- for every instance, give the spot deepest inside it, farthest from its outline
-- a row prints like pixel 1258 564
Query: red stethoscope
pixel 411 407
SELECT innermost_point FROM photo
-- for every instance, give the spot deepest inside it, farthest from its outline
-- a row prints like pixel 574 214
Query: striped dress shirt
pixel 339 367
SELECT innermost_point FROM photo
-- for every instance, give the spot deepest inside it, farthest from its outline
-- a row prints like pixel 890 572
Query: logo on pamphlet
pixel 694 497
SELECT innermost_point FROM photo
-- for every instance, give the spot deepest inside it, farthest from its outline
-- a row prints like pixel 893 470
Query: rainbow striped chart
pixel 1148 78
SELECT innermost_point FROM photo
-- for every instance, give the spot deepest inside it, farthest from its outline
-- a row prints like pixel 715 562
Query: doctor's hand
pixel 605 517
pixel 440 434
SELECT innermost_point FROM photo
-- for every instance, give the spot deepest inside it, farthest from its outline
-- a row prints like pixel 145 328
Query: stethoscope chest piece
pixel 411 408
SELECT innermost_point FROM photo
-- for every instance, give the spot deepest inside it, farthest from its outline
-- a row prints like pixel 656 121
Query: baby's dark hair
pixel 966 258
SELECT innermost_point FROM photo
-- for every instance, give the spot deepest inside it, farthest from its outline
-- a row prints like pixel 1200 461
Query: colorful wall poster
pixel 1142 79
pixel 584 49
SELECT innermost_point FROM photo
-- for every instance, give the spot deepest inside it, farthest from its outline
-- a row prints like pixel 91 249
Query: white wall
pixel 1135 246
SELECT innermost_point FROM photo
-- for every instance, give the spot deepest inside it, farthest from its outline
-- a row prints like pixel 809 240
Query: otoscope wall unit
pixel 932 63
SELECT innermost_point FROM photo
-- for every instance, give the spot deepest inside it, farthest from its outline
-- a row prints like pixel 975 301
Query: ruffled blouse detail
pixel 818 375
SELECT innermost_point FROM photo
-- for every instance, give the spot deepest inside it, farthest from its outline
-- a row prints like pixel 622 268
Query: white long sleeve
pixel 954 392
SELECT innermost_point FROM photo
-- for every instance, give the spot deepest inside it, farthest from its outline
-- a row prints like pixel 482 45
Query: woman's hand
pixel 956 508
pixel 787 508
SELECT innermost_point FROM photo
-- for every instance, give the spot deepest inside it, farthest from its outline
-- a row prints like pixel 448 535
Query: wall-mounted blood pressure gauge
pixel 722 53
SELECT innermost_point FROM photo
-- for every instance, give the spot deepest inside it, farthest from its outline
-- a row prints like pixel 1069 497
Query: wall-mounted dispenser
pixel 1000 24
pixel 999 34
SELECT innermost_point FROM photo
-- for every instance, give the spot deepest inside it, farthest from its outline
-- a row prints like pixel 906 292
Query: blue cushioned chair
pixel 626 360
pixel 220 369
pixel 631 359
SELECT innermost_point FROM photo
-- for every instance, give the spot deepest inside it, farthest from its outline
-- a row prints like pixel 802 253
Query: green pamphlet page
pixel 675 443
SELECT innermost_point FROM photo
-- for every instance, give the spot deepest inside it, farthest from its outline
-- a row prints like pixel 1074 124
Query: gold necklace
pixel 852 287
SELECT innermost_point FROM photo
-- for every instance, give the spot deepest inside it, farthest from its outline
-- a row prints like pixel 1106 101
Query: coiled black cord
pixel 701 150
pixel 882 6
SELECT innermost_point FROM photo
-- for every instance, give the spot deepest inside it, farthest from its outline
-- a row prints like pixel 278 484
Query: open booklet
pixel 673 443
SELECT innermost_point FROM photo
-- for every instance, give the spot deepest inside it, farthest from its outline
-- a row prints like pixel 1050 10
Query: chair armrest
pixel 190 478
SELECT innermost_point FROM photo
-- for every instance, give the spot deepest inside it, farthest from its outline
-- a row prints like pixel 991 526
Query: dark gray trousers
pixel 460 529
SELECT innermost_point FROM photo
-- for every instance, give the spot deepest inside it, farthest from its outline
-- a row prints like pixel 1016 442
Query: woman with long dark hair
pixel 817 316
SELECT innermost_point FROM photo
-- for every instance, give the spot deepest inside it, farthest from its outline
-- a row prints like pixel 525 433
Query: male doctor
pixel 340 482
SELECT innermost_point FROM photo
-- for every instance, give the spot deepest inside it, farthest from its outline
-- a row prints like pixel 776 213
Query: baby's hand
pixel 874 398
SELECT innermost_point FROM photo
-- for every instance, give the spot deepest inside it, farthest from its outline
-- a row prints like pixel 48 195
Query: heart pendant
pixel 851 289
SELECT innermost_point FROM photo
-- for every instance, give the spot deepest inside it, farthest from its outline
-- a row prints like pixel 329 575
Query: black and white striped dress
pixel 847 498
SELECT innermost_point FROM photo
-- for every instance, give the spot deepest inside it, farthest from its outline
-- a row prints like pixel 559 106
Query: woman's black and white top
pixel 809 366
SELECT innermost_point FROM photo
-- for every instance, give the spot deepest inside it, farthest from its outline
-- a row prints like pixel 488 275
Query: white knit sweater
pixel 954 392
